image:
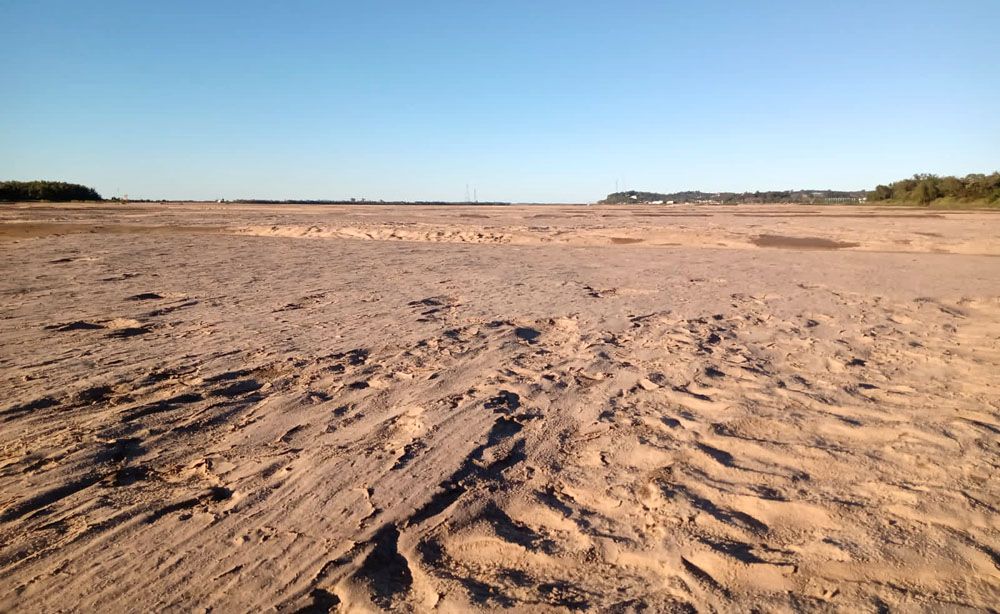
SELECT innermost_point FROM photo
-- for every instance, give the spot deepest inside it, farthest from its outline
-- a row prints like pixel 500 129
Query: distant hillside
pixel 934 191
pixel 783 196
pixel 57 191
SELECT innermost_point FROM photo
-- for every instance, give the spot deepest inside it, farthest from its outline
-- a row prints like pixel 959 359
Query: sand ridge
pixel 248 420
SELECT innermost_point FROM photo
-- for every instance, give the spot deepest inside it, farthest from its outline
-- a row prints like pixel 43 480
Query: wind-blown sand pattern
pixel 243 408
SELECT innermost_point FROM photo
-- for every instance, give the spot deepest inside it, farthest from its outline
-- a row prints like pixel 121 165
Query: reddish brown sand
pixel 249 408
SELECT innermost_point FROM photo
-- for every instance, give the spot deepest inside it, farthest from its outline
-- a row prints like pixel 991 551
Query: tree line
pixel 925 189
pixel 58 191
pixel 731 198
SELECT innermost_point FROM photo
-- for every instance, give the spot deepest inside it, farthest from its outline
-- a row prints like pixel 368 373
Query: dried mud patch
pixel 788 242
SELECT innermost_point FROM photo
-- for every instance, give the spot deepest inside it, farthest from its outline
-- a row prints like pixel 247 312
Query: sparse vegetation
pixel 57 191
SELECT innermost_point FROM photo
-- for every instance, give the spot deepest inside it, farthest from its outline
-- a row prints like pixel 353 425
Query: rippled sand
pixel 247 408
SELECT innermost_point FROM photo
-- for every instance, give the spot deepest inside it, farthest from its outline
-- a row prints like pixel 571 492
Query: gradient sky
pixel 523 101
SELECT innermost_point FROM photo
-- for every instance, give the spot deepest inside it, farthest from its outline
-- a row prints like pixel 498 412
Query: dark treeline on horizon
pixel 61 191
pixel 56 191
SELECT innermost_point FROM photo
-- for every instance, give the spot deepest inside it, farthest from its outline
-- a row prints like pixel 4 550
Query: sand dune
pixel 245 408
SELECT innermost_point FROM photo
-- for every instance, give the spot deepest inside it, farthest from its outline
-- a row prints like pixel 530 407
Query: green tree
pixel 881 192
pixel 926 191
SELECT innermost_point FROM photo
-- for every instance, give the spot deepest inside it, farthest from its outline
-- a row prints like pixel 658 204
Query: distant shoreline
pixel 942 205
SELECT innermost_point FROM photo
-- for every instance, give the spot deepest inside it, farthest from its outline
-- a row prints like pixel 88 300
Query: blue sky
pixel 523 101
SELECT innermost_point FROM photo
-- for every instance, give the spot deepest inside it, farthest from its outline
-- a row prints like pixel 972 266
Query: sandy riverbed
pixel 247 408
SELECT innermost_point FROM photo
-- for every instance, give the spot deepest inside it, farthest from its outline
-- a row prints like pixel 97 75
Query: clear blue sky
pixel 524 101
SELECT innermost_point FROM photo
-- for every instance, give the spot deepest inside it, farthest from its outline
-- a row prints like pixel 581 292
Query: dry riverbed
pixel 245 408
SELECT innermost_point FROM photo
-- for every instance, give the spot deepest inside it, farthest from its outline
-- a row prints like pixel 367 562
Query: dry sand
pixel 250 408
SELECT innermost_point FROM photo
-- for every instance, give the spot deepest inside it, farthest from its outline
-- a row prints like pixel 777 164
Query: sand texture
pixel 627 409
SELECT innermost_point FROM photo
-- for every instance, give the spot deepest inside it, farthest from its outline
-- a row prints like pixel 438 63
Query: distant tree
pixel 881 192
pixel 926 190
pixel 951 187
